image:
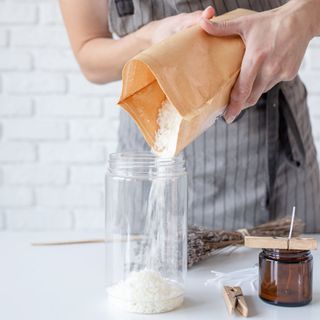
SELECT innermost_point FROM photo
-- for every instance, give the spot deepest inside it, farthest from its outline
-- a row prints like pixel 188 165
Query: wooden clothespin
pixel 281 243
pixel 288 243
pixel 234 300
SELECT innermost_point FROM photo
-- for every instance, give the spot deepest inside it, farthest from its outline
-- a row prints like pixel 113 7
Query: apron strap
pixel 272 135
pixel 280 123
pixel 293 147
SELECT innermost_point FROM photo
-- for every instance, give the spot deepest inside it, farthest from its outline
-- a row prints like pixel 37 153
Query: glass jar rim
pixel 283 254
pixel 144 164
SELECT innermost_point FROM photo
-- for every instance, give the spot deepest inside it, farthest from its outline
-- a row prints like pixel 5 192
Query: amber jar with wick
pixel 285 277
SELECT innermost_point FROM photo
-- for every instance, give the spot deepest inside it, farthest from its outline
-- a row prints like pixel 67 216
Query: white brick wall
pixel 3 37
pixel 14 13
pixel 56 128
pixel 33 83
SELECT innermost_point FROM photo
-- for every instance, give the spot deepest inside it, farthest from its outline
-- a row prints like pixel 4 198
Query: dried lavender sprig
pixel 203 242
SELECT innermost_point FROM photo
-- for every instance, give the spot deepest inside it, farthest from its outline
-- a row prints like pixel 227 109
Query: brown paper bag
pixel 193 70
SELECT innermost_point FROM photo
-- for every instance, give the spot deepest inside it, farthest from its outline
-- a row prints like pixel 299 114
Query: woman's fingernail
pixel 224 113
pixel 229 117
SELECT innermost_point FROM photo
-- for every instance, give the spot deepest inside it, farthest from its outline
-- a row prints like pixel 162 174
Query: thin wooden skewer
pixel 86 241
pixel 292 221
pixel 289 238
pixel 62 243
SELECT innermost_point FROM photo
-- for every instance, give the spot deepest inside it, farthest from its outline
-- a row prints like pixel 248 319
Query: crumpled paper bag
pixel 193 70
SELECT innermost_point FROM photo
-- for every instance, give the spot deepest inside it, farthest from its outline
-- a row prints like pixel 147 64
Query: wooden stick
pixel 86 241
pixel 292 221
pixel 62 243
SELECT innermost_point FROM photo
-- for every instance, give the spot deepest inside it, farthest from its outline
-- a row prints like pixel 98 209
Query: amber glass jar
pixel 285 277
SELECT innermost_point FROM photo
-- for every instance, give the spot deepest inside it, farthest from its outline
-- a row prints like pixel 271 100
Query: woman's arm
pixel 276 41
pixel 100 57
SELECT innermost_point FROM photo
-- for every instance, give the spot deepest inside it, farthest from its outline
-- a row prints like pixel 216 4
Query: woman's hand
pixel 275 41
pixel 158 30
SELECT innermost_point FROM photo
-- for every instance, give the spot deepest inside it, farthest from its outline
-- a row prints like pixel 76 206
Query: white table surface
pixel 67 282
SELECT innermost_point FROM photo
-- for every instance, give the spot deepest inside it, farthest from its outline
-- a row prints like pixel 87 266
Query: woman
pixel 257 163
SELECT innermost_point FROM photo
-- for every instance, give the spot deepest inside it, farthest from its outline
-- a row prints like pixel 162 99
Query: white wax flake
pixel 166 139
pixel 146 291
pixel 169 121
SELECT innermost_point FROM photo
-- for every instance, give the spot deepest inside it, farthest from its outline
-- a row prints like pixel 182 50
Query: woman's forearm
pixel 102 59
pixel 315 9
pixel 310 11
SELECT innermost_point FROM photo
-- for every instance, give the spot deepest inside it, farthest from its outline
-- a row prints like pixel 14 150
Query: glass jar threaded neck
pixel 287 255
pixel 144 165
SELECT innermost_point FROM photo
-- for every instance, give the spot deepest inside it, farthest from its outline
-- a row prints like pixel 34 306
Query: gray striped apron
pixel 252 170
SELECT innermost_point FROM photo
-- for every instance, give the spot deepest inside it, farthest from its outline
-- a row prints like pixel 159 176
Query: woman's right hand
pixel 158 30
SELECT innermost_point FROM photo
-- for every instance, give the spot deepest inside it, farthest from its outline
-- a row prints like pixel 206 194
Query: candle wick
pixel 292 221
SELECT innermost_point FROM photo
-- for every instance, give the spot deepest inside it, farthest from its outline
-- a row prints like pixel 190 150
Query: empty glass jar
pixel 146 232
pixel 286 277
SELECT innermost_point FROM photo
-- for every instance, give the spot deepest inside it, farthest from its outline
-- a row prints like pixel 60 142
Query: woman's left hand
pixel 275 40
